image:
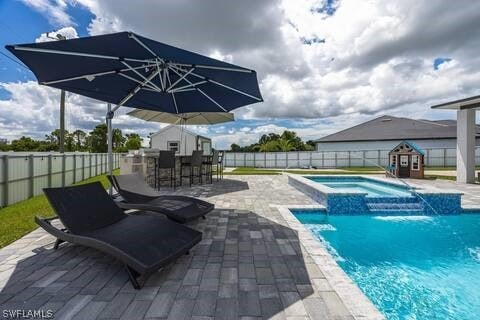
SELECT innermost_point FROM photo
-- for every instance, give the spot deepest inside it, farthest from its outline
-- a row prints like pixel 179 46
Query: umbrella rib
pixel 137 81
pixel 141 76
pixel 91 75
pixel 191 85
pixel 137 88
pixel 81 54
pixel 201 91
pixel 212 67
pixel 173 95
pixel 180 79
pixel 134 37
pixel 224 86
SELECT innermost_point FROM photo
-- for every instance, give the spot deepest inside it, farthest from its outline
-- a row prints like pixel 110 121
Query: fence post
pixel 74 168
pixel 363 157
pixel 275 159
pixel 378 157
pixel 336 164
pixel 245 159
pixel 83 167
pixel 444 157
pixel 30 176
pixel 298 159
pixel 5 180
pixel 265 159
pixel 323 159
pixel 64 169
pixel 310 159
pixel 286 160
pixel 96 164
pixel 49 165
pixel 349 159
pixel 254 159
pixel 428 157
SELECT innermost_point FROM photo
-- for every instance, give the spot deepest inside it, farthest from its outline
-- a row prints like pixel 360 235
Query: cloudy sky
pixel 323 65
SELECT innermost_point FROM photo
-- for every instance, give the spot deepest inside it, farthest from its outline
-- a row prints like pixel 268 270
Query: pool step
pixel 413 206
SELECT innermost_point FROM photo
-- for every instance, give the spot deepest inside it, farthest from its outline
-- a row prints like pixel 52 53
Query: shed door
pixel 404 167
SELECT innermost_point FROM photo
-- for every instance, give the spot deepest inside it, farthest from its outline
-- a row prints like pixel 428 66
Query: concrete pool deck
pixel 254 262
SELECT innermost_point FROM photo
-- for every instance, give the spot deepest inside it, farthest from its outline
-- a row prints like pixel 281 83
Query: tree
pixel 24 144
pixel 79 140
pixel 269 146
pixel 134 142
pixel 118 140
pixel 98 139
pixel 235 147
pixel 285 145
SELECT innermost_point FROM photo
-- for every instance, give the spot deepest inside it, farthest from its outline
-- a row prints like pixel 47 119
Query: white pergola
pixel 466 132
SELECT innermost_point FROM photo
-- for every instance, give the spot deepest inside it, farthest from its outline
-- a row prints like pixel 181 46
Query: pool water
pixel 372 188
pixel 411 267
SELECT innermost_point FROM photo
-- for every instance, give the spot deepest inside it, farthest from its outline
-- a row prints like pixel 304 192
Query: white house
pixel 181 140
pixel 386 132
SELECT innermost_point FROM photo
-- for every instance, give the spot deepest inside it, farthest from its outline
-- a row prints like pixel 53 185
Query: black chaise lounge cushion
pixel 137 194
pixel 145 243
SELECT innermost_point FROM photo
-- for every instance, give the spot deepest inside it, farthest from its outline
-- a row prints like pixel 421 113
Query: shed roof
pixel 187 131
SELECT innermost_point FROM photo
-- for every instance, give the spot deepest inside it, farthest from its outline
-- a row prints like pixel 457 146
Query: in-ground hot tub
pixel 361 194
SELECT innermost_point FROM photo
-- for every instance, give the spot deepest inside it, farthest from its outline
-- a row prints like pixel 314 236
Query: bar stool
pixel 195 162
pixel 166 160
pixel 208 165
pixel 215 164
pixel 221 156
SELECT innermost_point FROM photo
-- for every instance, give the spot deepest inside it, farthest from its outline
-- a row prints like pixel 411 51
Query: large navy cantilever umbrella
pixel 126 69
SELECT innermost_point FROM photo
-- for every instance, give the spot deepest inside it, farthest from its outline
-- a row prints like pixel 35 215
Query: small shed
pixel 180 140
pixel 406 161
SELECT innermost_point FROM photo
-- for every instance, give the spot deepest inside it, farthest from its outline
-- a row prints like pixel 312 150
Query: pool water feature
pixel 410 266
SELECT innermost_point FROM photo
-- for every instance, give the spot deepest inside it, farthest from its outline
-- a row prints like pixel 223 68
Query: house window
pixel 393 160
pixel 415 162
pixel 173 146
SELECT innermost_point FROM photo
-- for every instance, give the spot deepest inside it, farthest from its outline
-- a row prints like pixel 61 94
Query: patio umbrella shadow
pixel 246 265
pixel 216 188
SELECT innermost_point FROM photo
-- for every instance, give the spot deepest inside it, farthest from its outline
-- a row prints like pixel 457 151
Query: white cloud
pixel 377 56
pixel 67 32
pixel 54 10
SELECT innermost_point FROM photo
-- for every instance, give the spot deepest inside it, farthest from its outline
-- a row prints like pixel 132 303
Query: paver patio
pixel 250 264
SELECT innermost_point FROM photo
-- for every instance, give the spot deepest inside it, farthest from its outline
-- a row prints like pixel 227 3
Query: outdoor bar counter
pixel 145 162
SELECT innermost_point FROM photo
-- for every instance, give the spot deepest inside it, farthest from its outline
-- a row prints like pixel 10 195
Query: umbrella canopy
pixel 191 118
pixel 126 69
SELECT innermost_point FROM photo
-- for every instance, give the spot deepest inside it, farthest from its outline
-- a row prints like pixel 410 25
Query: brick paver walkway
pixel 250 264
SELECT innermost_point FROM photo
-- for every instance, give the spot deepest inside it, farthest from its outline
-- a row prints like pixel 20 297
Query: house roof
pixel 185 130
pixel 462 104
pixel 410 144
pixel 396 128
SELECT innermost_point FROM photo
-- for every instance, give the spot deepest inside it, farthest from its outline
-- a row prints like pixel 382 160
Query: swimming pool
pixel 372 188
pixel 411 267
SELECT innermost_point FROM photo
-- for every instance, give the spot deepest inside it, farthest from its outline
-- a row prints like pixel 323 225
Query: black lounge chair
pixel 137 194
pixel 143 243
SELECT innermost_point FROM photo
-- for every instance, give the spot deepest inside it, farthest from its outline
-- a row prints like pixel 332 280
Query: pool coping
pixel 303 178
pixel 357 303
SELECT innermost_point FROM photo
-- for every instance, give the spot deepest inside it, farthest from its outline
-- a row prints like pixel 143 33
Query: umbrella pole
pixel 109 117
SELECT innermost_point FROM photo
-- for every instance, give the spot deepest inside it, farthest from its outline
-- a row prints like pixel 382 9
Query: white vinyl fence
pixel 24 175
pixel 441 157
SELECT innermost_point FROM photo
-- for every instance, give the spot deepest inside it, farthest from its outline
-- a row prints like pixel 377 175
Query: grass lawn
pixel 349 170
pixel 16 220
